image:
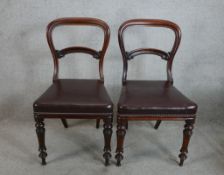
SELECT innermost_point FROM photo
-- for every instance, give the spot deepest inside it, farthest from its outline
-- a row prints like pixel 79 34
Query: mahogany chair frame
pixel 122 119
pixel 58 54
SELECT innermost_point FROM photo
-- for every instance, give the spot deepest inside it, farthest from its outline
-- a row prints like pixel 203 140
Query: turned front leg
pixel 40 130
pixel 188 131
pixel 107 131
pixel 121 131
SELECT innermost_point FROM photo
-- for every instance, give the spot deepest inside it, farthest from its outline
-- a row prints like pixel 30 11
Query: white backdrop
pixel 26 64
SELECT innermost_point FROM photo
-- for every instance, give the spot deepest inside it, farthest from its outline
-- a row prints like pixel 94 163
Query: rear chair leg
pixel 158 122
pixel 121 131
pixel 107 131
pixel 188 131
pixel 64 122
pixel 126 126
pixel 97 123
pixel 40 130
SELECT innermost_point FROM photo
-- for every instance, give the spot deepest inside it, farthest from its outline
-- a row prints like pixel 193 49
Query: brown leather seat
pixel 153 98
pixel 74 96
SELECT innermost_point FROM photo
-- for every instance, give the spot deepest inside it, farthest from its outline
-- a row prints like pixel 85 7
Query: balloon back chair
pixel 152 100
pixel 75 98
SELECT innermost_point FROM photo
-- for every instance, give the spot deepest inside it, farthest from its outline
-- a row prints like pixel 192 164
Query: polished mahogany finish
pixel 75 98
pixel 152 100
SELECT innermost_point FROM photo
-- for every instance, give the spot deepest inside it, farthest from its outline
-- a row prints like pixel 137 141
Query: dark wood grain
pixel 121 131
pixel 40 130
pixel 188 131
pixel 107 131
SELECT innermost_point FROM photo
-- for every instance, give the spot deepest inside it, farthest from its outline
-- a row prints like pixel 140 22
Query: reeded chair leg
pixel 40 130
pixel 97 123
pixel 158 122
pixel 121 131
pixel 107 131
pixel 64 122
pixel 188 131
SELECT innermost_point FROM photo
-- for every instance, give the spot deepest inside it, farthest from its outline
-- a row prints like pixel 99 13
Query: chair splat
pixel 164 55
pixel 61 53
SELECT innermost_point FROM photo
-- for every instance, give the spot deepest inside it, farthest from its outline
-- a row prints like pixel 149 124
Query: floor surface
pixel 78 149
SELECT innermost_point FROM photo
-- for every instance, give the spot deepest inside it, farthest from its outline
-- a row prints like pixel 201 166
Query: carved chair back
pixel 167 56
pixel 57 54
